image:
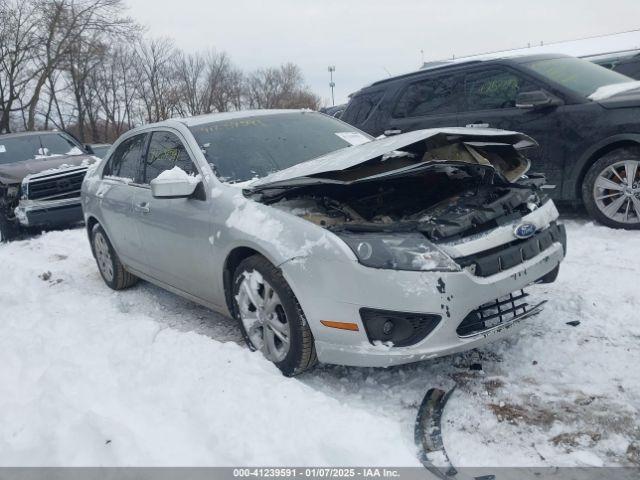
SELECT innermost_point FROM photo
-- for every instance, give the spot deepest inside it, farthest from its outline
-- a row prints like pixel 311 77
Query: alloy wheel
pixel 103 256
pixel 263 316
pixel 616 192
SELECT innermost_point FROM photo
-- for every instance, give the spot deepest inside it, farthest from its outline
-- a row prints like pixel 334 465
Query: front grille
pixel 500 311
pixel 490 262
pixel 54 185
pixel 400 328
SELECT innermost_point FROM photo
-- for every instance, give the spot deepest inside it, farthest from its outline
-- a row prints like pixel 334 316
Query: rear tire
pixel 111 269
pixel 276 325
pixel 610 197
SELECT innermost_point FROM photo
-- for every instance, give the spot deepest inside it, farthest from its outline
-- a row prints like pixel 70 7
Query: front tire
pixel 8 231
pixel 611 189
pixel 270 316
pixel 111 269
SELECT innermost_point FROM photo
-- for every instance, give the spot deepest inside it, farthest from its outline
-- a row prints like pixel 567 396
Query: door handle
pixel 392 132
pixel 477 125
pixel 142 207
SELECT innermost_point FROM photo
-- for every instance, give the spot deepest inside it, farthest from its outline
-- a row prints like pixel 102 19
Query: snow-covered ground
pixel 142 377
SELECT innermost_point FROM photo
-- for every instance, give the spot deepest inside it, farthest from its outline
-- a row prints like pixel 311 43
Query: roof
pixel 584 47
pixel 437 66
pixel 225 116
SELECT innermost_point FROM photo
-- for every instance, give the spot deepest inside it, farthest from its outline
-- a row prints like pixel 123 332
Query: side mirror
pixel 173 187
pixel 537 99
pixel 89 149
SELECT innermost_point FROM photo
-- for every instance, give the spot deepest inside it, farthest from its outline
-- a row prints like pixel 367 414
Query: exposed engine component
pixel 444 202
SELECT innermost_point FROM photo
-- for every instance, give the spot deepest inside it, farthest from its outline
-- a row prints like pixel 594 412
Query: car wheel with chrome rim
pixel 611 189
pixel 270 316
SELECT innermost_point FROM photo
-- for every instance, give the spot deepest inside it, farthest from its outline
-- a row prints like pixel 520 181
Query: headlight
pixel 398 251
pixel 12 192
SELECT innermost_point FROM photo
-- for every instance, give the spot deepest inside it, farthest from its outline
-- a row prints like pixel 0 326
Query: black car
pixel 40 178
pixel 586 119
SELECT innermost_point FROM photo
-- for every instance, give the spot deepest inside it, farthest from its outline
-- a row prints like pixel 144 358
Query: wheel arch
pixel 596 152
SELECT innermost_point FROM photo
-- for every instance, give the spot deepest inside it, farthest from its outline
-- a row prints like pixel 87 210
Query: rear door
pixel 116 194
pixel 489 100
pixel 175 232
pixel 430 102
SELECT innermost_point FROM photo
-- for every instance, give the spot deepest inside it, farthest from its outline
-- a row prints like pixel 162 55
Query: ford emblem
pixel 525 230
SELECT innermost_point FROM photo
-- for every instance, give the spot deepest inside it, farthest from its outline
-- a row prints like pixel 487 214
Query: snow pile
pixel 89 376
pixel 141 377
pixel 607 91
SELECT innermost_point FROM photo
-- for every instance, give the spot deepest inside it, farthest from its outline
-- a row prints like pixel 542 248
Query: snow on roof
pixel 597 45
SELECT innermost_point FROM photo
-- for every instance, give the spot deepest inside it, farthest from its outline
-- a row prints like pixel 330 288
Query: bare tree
pixel 115 82
pixel 281 87
pixel 155 62
pixel 65 26
pixel 18 43
pixel 82 65
pixel 207 82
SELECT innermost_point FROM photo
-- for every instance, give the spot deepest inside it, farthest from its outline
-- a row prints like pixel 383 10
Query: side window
pixel 125 161
pixel 361 107
pixel 494 89
pixel 165 152
pixel 431 96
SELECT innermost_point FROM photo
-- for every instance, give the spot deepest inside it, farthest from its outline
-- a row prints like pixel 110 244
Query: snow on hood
pixel 421 141
pixel 607 91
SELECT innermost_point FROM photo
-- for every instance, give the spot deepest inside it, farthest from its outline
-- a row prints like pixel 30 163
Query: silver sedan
pixel 324 243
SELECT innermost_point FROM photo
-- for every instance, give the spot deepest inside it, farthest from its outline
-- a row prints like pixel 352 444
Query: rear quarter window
pixel 361 107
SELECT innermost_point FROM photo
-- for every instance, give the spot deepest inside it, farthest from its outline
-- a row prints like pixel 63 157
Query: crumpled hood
pixel 14 172
pixel 427 146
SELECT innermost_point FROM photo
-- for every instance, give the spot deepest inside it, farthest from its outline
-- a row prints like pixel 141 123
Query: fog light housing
pixel 402 329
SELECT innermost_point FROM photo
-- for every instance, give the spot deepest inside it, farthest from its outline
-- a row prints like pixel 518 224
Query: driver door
pixel 174 232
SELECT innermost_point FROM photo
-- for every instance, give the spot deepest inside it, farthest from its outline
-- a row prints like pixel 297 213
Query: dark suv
pixel 586 119
pixel 40 178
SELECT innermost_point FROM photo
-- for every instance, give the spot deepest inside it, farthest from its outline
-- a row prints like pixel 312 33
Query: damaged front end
pixel 440 185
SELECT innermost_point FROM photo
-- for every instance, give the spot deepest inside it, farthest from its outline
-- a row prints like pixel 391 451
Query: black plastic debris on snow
pixel 574 323
pixel 428 437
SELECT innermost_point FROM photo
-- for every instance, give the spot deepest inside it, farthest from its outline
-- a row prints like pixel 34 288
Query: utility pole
pixel 332 68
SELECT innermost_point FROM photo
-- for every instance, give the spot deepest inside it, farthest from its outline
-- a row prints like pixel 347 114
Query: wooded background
pixel 84 66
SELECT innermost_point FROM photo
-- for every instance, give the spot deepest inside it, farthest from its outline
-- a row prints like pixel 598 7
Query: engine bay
pixel 442 202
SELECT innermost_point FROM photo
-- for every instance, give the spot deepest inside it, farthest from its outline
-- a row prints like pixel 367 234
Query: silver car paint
pixel 182 245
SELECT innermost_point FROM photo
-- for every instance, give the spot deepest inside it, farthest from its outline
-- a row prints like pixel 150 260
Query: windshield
pixel 18 149
pixel 252 147
pixel 579 75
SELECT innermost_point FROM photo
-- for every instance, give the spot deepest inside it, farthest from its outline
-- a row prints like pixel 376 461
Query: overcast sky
pixel 367 40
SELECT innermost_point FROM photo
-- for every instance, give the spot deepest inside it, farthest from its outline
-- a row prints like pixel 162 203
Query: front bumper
pixel 341 289
pixel 49 213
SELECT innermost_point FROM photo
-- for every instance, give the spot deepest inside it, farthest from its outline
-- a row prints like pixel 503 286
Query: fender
pixel 573 183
